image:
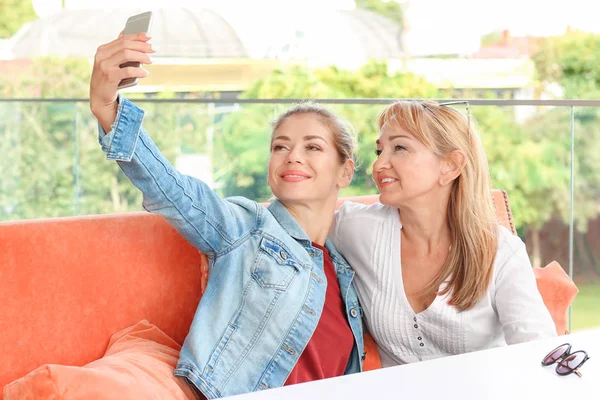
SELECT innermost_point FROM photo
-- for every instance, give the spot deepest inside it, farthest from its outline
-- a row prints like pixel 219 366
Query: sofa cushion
pixel 68 284
pixel 138 363
pixel 558 292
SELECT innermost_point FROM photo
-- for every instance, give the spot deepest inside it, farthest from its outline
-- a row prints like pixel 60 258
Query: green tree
pixel 38 139
pixel 571 62
pixel 13 14
pixel 52 164
pixel 533 169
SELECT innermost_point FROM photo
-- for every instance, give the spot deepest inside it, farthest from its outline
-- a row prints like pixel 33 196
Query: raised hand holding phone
pixel 112 69
pixel 136 24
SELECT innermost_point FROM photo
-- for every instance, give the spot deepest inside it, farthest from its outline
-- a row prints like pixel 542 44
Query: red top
pixel 327 353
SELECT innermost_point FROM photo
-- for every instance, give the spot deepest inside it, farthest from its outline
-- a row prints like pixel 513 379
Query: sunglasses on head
pixel 568 362
pixel 451 103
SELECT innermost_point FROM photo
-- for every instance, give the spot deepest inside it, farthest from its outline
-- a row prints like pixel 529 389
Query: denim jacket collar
pixel 336 257
pixel 283 216
pixel 285 219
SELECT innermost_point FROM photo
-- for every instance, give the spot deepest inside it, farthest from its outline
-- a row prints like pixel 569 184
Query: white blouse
pixel 511 312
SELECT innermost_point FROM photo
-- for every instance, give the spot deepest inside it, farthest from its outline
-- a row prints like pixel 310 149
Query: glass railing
pixel 544 153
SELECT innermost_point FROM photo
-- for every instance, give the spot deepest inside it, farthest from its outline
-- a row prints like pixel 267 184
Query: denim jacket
pixel 267 285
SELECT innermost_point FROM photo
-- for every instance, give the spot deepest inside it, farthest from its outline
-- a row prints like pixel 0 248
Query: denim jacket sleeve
pixel 189 205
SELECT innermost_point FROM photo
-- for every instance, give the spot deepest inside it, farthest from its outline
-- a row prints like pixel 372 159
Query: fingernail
pixel 151 60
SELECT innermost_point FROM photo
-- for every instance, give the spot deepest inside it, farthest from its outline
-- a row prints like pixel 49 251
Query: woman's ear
pixel 346 174
pixel 452 166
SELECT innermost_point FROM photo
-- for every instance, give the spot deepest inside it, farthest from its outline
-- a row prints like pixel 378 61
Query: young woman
pixel 279 307
pixel 436 274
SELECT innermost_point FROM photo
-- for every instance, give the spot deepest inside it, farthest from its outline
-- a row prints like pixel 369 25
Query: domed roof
pixel 327 36
pixel 177 32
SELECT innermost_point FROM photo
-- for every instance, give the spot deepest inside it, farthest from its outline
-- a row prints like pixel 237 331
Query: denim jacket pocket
pixel 214 358
pixel 274 266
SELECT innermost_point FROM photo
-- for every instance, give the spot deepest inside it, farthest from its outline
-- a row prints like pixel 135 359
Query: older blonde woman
pixel 436 274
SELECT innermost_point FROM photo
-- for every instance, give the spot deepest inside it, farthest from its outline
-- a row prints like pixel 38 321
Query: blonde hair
pixel 471 213
pixel 344 137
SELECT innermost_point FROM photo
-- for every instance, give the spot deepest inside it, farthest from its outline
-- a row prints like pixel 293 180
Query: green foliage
pixel 52 164
pixel 572 61
pixel 48 78
pixel 552 127
pixel 532 169
pixel 532 162
pixel 585 306
pixel 39 139
pixel 242 151
pixel 37 167
pixel 491 38
pixel 13 14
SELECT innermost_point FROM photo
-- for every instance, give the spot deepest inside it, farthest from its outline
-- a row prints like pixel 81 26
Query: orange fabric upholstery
pixel 558 291
pixel 68 284
pixel 147 354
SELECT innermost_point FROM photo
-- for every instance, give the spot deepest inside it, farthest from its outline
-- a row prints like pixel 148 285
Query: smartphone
pixel 135 24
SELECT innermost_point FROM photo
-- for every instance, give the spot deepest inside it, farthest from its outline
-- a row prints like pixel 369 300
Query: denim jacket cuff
pixel 119 143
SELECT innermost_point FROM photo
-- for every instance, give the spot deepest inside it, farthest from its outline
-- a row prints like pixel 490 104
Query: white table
pixel 507 373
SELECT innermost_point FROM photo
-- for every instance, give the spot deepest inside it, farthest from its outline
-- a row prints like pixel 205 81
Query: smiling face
pixel 305 165
pixel 405 170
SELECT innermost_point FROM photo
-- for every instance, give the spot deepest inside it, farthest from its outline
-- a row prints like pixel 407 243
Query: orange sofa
pixel 68 284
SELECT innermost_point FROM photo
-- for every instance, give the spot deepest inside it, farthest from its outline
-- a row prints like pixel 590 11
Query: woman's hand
pixel 106 74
